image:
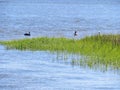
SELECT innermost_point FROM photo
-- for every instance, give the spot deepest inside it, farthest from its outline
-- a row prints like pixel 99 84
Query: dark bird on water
pixel 27 34
pixel 75 33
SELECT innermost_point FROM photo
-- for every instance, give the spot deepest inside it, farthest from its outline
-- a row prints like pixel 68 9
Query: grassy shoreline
pixel 102 49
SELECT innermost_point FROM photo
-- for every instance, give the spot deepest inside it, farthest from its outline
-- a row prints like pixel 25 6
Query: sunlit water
pixel 44 70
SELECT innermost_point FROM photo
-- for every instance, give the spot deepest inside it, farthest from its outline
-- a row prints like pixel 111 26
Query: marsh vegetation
pixel 98 49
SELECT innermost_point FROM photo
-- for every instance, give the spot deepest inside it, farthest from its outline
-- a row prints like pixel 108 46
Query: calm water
pixel 44 70
pixel 60 18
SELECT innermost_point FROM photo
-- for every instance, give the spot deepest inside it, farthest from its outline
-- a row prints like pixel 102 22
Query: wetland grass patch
pixel 101 49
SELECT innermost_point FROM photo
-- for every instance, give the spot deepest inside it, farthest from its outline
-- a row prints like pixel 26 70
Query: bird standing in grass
pixel 27 34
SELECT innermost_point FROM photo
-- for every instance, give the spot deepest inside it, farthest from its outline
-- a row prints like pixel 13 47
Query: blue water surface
pixel 58 18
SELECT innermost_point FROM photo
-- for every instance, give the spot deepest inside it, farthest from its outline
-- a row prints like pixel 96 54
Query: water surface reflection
pixel 41 70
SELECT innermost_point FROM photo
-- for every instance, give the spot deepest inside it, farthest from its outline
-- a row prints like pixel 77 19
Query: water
pixel 27 70
pixel 44 70
pixel 58 18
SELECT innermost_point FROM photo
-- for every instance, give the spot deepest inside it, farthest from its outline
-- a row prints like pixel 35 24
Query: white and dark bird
pixel 99 32
pixel 27 34
pixel 75 33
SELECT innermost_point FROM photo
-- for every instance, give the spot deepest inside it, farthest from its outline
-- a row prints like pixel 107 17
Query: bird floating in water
pixel 75 33
pixel 27 34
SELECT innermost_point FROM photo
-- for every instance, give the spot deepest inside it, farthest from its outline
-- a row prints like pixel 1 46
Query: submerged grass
pixel 101 49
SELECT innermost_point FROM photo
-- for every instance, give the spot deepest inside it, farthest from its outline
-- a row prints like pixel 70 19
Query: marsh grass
pixel 101 49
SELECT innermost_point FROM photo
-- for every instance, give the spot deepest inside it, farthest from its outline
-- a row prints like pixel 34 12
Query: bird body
pixel 98 32
pixel 75 33
pixel 27 34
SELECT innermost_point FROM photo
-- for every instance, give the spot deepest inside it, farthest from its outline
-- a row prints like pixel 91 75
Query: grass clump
pixel 101 49
pixel 43 43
